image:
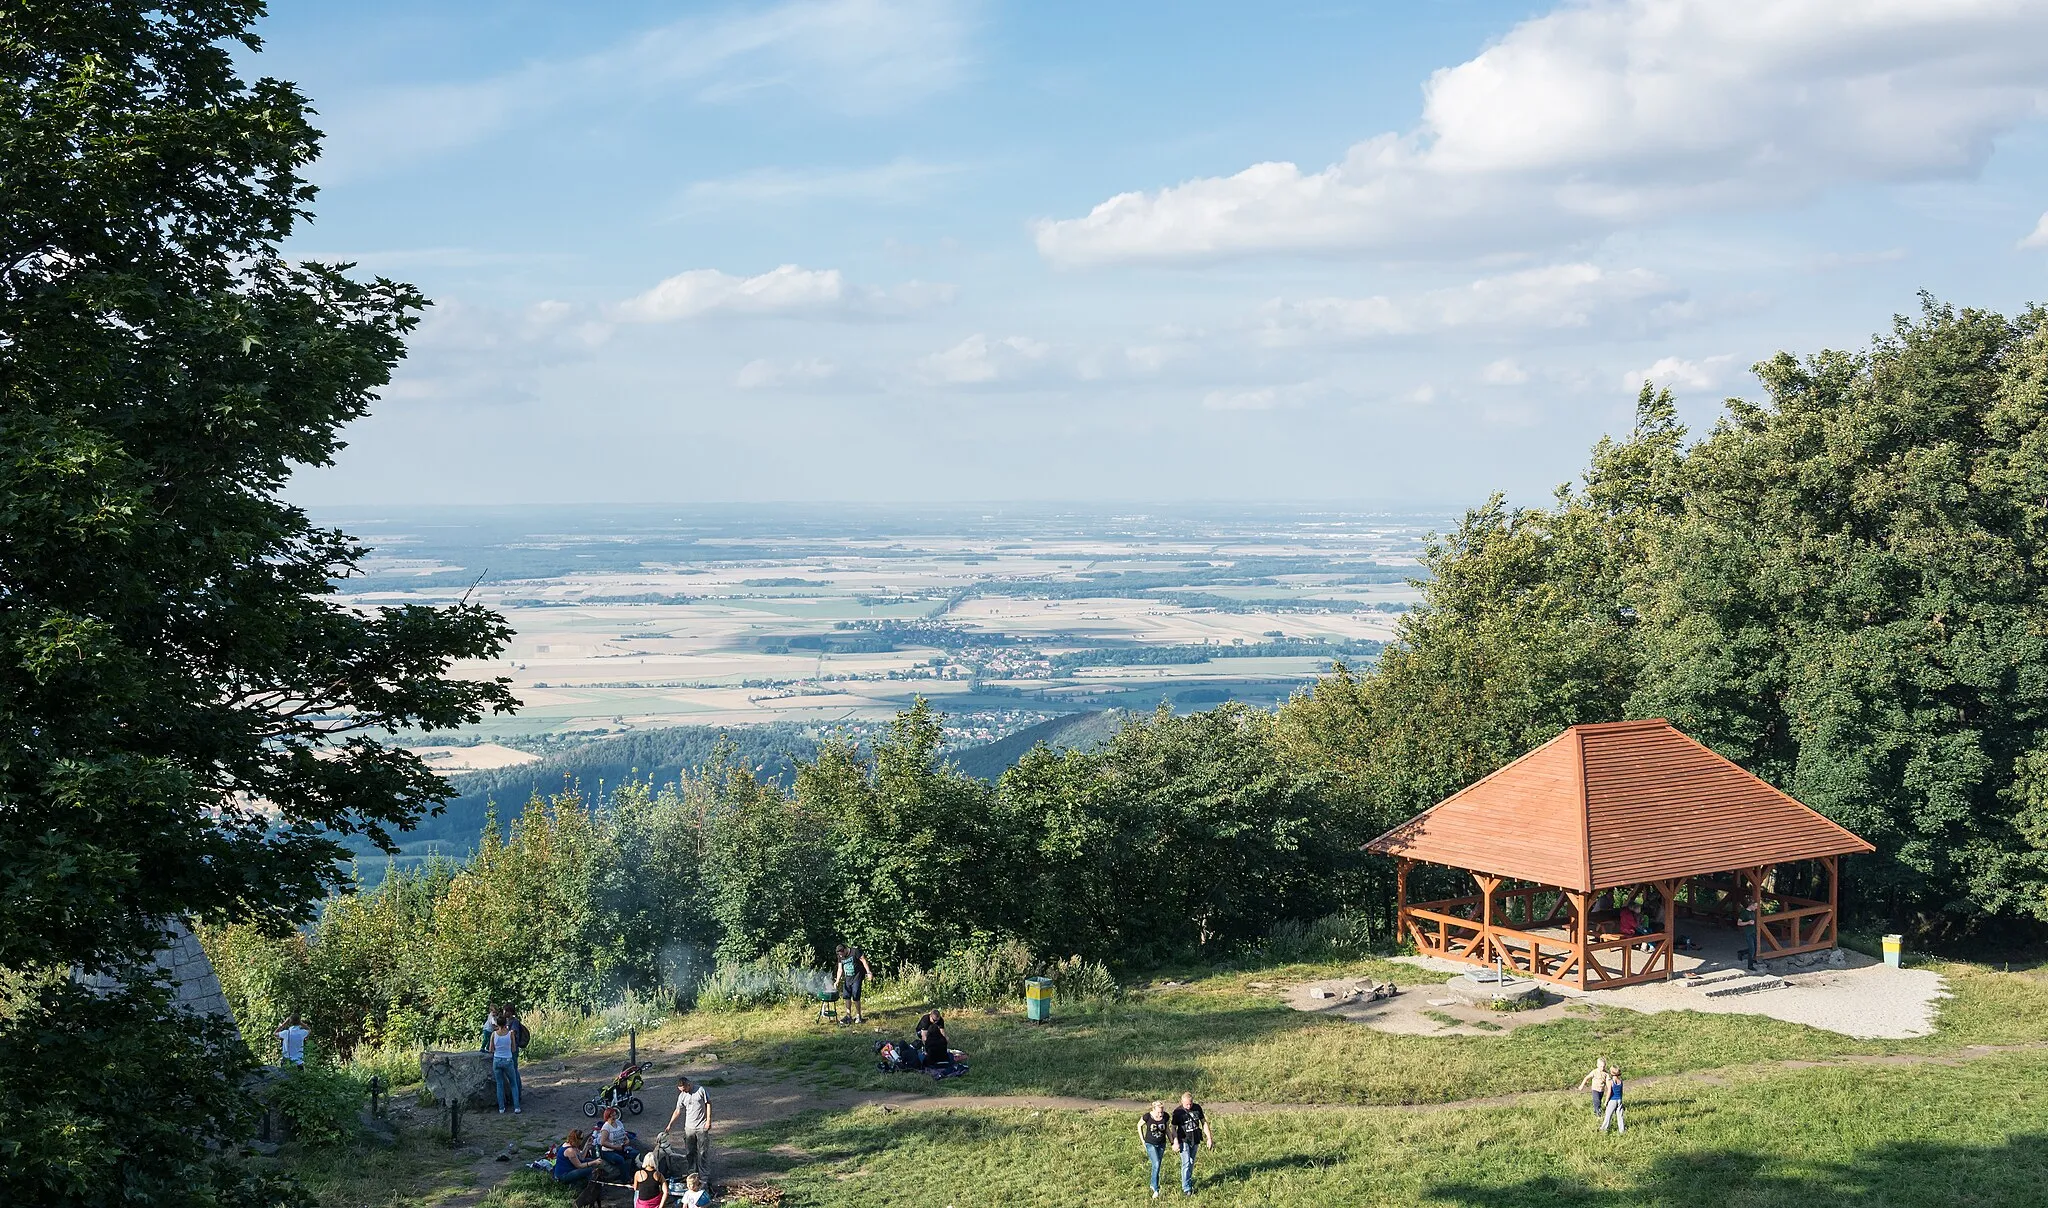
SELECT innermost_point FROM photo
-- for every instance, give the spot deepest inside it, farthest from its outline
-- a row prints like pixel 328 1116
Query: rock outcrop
pixel 459 1076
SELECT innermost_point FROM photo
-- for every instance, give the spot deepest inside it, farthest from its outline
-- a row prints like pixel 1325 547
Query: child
pixel 1615 1112
pixel 695 1193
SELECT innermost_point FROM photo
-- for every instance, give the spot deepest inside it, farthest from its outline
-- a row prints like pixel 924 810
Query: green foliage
pixel 985 972
pixel 318 1102
pixel 190 717
pixel 742 985
pixel 1841 588
pixel 769 866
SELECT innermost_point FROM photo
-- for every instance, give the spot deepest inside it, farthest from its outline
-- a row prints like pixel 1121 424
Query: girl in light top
pixel 1596 1078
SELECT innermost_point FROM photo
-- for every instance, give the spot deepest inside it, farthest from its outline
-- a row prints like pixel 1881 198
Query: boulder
pixel 459 1076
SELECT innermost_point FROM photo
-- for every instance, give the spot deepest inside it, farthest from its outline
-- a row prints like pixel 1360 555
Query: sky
pixel 1394 255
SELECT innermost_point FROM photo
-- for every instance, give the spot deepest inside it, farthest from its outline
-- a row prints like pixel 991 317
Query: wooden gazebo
pixel 1617 814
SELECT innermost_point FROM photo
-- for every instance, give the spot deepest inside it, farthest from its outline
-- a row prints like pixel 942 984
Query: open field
pixel 1724 1109
pixel 642 618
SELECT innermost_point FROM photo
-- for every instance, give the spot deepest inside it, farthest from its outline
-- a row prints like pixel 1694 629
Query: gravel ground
pixel 1867 999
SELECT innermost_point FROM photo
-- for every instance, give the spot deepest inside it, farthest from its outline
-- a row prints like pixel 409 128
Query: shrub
pixel 737 986
pixel 318 1102
pixel 1332 937
pixel 985 972
pixel 1077 980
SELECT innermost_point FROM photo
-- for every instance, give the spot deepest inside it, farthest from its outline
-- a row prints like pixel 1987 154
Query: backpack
pixel 520 1036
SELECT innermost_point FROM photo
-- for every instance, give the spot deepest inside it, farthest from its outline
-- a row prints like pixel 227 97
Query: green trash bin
pixel 1038 999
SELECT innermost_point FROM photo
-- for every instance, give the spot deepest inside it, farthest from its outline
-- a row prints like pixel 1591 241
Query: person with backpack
pixel 1190 1133
pixel 850 971
pixel 1154 1127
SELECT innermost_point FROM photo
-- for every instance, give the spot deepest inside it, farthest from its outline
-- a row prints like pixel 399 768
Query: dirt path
pixel 745 1097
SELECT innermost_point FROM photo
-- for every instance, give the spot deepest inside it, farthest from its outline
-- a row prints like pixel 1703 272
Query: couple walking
pixel 1186 1130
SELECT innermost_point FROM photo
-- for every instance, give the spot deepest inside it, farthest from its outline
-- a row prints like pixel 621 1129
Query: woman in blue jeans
pixel 1153 1130
pixel 504 1067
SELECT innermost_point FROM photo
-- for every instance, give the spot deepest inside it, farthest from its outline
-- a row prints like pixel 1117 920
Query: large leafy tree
pixel 188 719
pixel 1853 603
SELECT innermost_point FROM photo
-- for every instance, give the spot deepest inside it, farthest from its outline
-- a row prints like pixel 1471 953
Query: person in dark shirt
pixel 1154 1129
pixel 932 1041
pixel 1190 1133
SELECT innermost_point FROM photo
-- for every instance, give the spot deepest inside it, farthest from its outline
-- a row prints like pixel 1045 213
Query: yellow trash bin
pixel 1893 946
pixel 1038 999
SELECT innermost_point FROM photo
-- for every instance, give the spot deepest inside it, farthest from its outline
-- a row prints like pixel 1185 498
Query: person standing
pixel 693 1109
pixel 490 1025
pixel 291 1040
pixel 1615 1112
pixel 851 972
pixel 1596 1078
pixel 1154 1127
pixel 520 1036
pixel 1190 1133
pixel 504 1070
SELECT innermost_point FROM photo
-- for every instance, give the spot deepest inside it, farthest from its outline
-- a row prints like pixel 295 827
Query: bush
pixel 985 972
pixel 737 986
pixel 1332 937
pixel 1076 980
pixel 319 1103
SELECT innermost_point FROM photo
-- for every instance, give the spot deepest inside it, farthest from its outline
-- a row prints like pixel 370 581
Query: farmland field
pixel 638 618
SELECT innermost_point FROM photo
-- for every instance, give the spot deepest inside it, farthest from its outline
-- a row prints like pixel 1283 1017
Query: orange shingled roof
pixel 1617 803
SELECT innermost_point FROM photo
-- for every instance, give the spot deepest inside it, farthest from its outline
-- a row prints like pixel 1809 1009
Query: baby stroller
pixel 620 1092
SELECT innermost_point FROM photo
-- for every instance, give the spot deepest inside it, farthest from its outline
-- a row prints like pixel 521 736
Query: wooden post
pixel 1670 891
pixel 1756 915
pixel 1834 902
pixel 1401 901
pixel 1487 887
pixel 1582 916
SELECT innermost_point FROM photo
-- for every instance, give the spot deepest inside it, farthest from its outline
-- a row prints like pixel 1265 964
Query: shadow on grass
pixel 1905 1174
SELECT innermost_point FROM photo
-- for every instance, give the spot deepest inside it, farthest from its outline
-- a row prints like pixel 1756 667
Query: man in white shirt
pixel 292 1038
pixel 693 1109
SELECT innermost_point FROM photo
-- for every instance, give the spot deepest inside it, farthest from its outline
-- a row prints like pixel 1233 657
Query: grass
pixel 1221 1039
pixel 1810 1138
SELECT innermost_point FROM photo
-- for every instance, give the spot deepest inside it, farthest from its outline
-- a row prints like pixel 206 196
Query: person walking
pixel 1154 1127
pixel 1596 1078
pixel 291 1041
pixel 1615 1112
pixel 850 972
pixel 504 1067
pixel 693 1109
pixel 1190 1133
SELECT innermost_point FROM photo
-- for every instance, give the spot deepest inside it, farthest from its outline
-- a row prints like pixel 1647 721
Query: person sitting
pixel 1631 922
pixel 932 1041
pixel 695 1193
pixel 615 1144
pixel 650 1190
pixel 571 1166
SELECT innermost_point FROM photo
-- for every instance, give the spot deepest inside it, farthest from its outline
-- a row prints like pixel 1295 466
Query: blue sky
pixel 1395 254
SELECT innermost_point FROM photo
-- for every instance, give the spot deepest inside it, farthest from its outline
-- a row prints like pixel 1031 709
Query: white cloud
pixel 853 56
pixel 1504 372
pixel 1612 112
pixel 2040 236
pixel 1702 374
pixel 979 360
pixel 763 373
pixel 1555 297
pixel 706 291
pixel 896 182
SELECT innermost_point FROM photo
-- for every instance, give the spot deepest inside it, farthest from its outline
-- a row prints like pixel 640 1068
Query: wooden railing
pixel 1446 935
pixel 1789 932
pixel 1551 957
pixel 1643 958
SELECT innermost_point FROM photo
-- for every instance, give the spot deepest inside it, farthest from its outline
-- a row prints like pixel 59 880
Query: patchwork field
pixel 641 618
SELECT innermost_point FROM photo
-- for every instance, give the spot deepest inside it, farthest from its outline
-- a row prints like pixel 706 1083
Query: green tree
pixel 769 866
pixel 1854 603
pixel 189 717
